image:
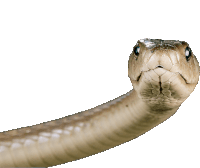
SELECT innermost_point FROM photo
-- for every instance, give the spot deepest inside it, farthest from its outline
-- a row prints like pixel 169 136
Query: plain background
pixel 61 57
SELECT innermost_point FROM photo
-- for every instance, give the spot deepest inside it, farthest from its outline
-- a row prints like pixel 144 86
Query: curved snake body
pixel 163 75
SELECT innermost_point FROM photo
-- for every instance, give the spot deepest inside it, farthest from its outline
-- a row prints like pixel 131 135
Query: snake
pixel 163 74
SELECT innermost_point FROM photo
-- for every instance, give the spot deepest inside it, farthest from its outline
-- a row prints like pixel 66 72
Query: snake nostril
pixel 159 66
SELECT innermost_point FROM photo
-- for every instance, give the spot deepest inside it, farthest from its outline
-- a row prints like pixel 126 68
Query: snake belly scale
pixel 163 74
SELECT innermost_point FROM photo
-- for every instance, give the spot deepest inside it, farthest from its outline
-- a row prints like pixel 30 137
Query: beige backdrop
pixel 58 58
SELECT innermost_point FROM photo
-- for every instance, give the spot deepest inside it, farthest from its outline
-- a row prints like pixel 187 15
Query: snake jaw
pixel 157 82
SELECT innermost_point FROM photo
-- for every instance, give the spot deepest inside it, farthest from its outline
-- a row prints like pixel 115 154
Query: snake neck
pixel 152 108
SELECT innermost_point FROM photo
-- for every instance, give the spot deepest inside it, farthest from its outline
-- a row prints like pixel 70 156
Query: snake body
pixel 163 74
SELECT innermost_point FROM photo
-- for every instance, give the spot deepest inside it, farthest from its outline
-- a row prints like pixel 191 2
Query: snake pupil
pixel 188 53
pixel 136 50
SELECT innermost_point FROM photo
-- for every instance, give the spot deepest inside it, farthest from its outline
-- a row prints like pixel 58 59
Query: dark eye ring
pixel 188 53
pixel 136 50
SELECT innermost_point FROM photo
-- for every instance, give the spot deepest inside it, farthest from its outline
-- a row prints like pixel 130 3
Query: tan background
pixel 58 58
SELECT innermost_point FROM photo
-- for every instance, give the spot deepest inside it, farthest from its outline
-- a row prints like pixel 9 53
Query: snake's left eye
pixel 188 53
pixel 136 50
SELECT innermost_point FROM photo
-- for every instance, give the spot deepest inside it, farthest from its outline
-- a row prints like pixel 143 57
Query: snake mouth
pixel 138 78
pixel 183 78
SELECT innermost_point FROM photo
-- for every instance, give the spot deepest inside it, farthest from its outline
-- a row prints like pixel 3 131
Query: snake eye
pixel 188 53
pixel 136 50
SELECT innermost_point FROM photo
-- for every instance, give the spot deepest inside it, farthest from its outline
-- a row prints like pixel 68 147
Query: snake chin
pixel 161 91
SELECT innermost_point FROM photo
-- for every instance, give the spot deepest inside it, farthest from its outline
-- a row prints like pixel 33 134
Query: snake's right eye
pixel 136 50
pixel 188 53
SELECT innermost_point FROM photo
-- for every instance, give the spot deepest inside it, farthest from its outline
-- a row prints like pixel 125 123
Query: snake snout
pixel 161 59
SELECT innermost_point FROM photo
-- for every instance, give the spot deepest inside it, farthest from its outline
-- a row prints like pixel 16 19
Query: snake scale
pixel 163 74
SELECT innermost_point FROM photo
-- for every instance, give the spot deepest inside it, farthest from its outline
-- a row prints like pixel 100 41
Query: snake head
pixel 163 72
